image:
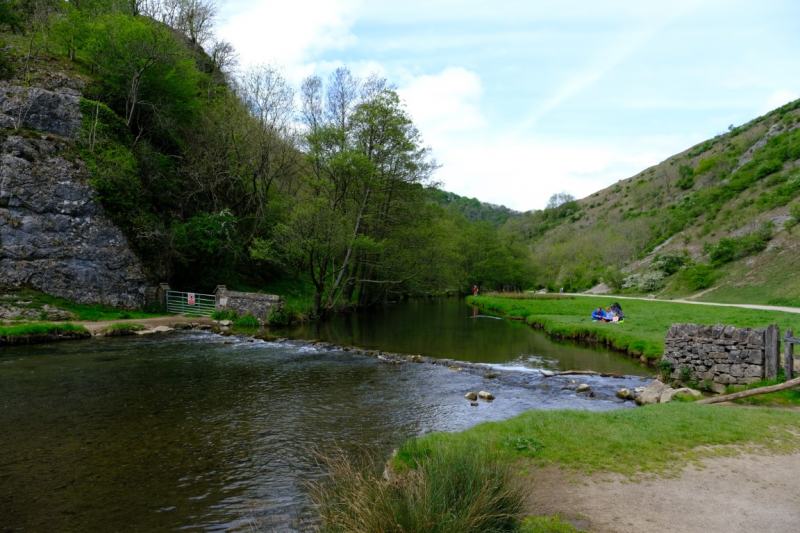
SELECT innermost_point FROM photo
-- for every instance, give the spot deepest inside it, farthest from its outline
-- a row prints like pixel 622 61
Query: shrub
pixel 6 66
pixel 665 369
pixel 246 321
pixel 224 314
pixel 686 181
pixel 794 211
pixel 454 488
pixel 699 276
pixel 731 248
pixel 670 263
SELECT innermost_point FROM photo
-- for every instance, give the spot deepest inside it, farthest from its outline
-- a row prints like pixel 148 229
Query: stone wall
pixel 248 303
pixel 723 355
pixel 54 235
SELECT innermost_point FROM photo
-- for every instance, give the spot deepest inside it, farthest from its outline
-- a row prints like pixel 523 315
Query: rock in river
pixel 471 396
pixel 625 394
pixel 583 387
pixel 485 395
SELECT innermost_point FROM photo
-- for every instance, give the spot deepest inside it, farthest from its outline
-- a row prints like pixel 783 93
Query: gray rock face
pixel 35 108
pixel 54 235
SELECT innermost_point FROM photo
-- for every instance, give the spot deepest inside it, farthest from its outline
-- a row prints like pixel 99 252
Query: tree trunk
pixel 753 392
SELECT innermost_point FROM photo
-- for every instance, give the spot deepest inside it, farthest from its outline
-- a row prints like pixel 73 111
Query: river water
pixel 196 431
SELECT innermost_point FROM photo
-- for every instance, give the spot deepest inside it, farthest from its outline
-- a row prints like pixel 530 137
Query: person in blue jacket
pixel 599 315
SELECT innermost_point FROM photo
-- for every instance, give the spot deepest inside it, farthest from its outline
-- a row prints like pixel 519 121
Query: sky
pixel 520 99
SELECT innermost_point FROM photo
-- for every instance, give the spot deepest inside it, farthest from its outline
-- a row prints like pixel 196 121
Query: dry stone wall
pixel 248 303
pixel 723 355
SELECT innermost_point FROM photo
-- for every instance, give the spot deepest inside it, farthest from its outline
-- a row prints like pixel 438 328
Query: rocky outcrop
pixel 34 108
pixel 54 235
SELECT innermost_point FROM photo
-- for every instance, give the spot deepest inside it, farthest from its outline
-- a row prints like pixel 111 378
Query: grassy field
pixel 657 438
pixel 645 326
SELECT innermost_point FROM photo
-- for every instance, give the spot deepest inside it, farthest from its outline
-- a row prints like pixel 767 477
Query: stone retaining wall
pixel 248 303
pixel 723 355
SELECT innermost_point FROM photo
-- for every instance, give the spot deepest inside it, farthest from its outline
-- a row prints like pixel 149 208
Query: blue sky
pixel 519 100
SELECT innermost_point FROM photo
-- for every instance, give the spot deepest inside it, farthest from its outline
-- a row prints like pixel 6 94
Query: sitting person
pixel 617 310
pixel 599 315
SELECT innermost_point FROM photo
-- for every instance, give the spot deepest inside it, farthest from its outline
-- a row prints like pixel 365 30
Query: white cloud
pixel 778 98
pixel 288 34
pixel 523 172
pixel 516 169
pixel 445 103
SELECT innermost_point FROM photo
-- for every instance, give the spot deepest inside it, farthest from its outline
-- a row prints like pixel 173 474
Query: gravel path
pixel 171 321
pixel 744 493
pixel 784 309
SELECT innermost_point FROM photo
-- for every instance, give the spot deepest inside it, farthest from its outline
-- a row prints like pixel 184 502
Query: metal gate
pixel 191 303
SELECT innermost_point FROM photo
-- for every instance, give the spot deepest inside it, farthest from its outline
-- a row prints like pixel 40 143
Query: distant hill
pixel 716 222
pixel 472 208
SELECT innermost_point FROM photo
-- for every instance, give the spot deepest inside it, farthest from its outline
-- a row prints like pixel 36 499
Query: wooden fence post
pixel 771 352
pixel 788 355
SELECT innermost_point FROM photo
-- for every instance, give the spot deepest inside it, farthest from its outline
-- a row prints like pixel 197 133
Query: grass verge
pixel 658 438
pixel 546 524
pixel 785 398
pixel 40 331
pixel 645 326
pixel 122 329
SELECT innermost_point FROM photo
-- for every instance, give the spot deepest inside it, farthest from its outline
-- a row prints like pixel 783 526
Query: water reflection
pixel 447 327
pixel 200 431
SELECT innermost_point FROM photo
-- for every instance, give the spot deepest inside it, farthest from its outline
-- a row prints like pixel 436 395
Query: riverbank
pixel 602 471
pixel 643 330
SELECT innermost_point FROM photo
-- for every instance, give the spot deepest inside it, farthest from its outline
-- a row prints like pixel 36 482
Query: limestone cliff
pixel 54 235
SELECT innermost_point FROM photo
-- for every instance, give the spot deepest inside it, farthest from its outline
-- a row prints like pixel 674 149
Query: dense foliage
pixel 219 176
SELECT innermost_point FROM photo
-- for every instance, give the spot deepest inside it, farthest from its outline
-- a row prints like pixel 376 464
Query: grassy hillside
pixel 717 221
pixel 471 208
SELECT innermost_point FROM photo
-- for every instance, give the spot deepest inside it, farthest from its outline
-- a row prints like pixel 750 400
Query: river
pixel 197 431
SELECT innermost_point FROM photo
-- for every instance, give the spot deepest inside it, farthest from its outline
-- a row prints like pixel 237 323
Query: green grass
pixel 8 333
pixel 246 322
pixel 657 438
pixel 547 524
pixel 451 489
pixel 122 328
pixel 88 312
pixel 645 326
pixel 785 398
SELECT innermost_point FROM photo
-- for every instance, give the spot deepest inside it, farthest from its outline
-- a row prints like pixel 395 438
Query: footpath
pixel 759 307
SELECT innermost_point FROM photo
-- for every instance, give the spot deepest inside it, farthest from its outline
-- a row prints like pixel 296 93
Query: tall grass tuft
pixel 447 490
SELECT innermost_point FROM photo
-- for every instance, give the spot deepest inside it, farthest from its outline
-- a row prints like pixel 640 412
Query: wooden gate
pixel 788 353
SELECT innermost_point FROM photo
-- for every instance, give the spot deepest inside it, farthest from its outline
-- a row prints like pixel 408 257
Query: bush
pixel 6 66
pixel 686 181
pixel 247 321
pixel 225 314
pixel 732 248
pixel 456 488
pixel 670 263
pixel 700 276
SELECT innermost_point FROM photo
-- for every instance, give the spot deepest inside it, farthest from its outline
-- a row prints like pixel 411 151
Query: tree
pixel 559 199
pixel 147 76
pixel 365 161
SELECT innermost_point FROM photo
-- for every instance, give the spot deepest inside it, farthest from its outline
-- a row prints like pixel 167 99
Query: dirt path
pixel 171 321
pixel 725 494
pixel 759 307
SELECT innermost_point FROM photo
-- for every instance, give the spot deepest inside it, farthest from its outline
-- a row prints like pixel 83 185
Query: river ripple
pixel 197 431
